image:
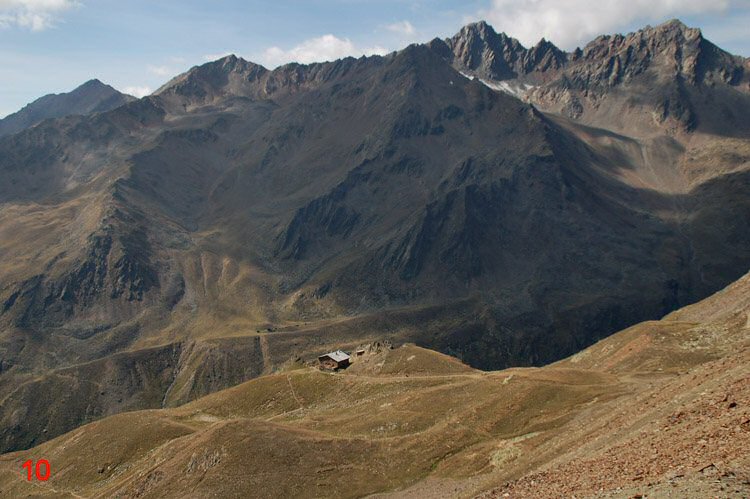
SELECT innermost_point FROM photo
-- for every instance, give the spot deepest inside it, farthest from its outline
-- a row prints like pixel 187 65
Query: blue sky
pixel 136 45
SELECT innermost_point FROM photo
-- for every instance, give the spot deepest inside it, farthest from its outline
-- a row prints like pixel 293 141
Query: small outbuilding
pixel 335 360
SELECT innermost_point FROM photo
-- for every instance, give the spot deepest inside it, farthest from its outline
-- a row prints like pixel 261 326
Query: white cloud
pixel 161 70
pixel 569 23
pixel 323 48
pixel 35 15
pixel 138 91
pixel 402 28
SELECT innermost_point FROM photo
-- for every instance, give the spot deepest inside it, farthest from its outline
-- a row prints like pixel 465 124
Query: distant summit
pixel 596 84
pixel 230 74
pixel 478 48
pixel 91 97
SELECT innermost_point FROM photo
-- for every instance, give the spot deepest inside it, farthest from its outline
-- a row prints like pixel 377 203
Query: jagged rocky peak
pixel 677 30
pixel 228 75
pixel 544 56
pixel 672 33
pixel 92 84
pixel 481 32
pixel 672 49
pixel 233 64
pixel 478 48
pixel 669 66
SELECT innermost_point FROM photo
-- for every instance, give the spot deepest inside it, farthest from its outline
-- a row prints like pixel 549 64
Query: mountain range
pixel 91 97
pixel 505 205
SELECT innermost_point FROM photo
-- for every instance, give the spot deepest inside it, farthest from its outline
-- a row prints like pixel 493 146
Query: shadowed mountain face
pixel 91 97
pixel 246 213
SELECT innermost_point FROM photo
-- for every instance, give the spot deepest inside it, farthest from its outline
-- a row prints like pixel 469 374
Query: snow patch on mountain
pixel 515 89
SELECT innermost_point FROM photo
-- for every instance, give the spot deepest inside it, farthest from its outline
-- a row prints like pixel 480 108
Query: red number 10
pixel 37 469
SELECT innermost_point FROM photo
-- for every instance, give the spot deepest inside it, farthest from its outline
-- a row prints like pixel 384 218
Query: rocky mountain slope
pixel 202 236
pixel 660 408
pixel 91 97
pixel 664 77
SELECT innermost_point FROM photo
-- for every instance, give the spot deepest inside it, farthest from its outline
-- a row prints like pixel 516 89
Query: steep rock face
pixel 322 218
pixel 157 377
pixel 487 54
pixel 672 48
pixel 544 57
pixel 96 266
pixel 67 398
pixel 675 49
pixel 479 48
pixel 117 266
pixel 678 58
pixel 91 97
pixel 670 66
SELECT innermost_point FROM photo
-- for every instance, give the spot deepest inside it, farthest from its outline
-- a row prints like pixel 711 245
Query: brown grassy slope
pixel 688 436
pixel 661 406
pixel 345 434
pixel 686 432
pixel 34 409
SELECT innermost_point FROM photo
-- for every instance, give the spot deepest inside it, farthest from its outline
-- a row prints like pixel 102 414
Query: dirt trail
pixel 265 352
